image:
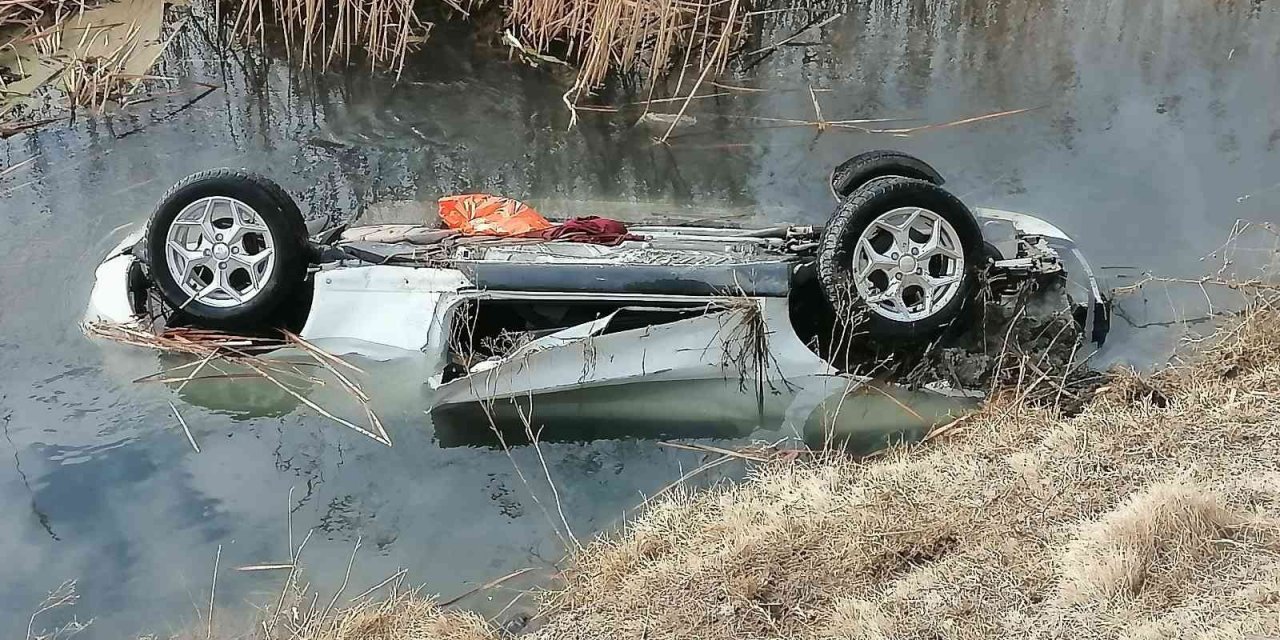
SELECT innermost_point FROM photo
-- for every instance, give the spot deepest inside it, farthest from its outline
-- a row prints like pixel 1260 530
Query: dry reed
pixel 90 79
pixel 599 36
pixel 97 53
pixel 655 36
pixel 211 346
pixel 383 31
pixel 33 15
pixel 64 595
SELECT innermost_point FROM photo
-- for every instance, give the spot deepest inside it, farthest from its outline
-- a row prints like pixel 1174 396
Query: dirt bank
pixel 1153 513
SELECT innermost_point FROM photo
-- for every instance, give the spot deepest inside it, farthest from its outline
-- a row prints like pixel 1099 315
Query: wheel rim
pixel 220 252
pixel 908 264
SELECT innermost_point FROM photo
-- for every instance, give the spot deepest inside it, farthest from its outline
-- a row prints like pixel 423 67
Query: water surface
pixel 1152 134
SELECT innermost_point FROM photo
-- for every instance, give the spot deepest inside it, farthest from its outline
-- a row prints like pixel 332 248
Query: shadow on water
pixel 1153 132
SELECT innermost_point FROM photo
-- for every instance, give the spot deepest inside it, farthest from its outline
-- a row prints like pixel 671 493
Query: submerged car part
pixel 738 312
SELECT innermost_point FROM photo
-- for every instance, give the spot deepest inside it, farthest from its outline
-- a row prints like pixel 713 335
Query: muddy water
pixel 1152 133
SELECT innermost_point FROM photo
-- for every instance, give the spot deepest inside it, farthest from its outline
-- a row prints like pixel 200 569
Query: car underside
pixel 775 319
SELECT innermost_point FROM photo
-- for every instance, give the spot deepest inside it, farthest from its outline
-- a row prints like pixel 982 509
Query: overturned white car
pixel 756 319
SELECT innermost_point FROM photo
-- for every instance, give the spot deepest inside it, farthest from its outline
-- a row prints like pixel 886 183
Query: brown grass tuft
pixel 407 617
pixel 1149 539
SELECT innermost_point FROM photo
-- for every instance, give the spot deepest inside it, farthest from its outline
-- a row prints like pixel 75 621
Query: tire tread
pixel 880 163
pixel 849 214
pixel 292 245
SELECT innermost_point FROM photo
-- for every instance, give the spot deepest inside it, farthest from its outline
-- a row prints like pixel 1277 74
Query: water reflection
pixel 855 417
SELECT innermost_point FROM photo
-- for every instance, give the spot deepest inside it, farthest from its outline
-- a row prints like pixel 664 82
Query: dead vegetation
pixel 382 31
pixel 399 614
pixel 63 596
pixel 1027 339
pixel 96 53
pixel 1154 513
pixel 32 15
pixel 240 357
pixel 100 66
pixel 656 36
pixel 405 618
pixel 389 610
pixel 598 36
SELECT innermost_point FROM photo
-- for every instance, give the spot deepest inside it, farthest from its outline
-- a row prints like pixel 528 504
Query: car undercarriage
pixel 779 319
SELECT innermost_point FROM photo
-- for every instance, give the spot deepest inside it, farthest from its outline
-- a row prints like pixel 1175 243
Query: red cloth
pixel 593 229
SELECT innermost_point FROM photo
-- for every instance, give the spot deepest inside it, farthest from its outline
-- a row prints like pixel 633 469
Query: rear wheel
pixel 226 248
pixel 900 256
pixel 851 174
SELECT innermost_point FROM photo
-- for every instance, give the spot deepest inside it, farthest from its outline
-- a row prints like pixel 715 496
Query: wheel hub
pixel 220 252
pixel 908 264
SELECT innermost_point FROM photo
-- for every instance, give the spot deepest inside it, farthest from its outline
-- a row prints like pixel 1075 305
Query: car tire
pixel 919 238
pixel 226 248
pixel 851 174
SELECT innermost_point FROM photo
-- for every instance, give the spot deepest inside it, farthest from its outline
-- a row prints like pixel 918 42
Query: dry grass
pixel 405 616
pixel 97 71
pixel 599 36
pixel 97 53
pixel 656 36
pixel 383 31
pixel 1155 513
pixel 32 15
pixel 399 614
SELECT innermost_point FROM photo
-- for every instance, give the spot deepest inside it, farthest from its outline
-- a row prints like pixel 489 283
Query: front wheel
pixel 227 247
pixel 902 256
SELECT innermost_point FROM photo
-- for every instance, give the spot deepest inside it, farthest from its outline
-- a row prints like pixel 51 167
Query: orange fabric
pixel 483 214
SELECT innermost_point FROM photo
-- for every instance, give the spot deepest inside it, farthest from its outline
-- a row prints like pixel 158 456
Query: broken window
pixel 486 331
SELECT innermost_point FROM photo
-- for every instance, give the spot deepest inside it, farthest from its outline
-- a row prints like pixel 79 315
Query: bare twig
pixel 185 428
pixel 346 578
pixel 706 448
pixel 486 586
pixel 266 567
pixel 678 481
pixel 213 590
pixel 555 492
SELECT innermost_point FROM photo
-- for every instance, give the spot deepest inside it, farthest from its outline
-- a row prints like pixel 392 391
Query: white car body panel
pixel 383 305
pixel 109 299
pixel 705 347
pixel 1029 225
